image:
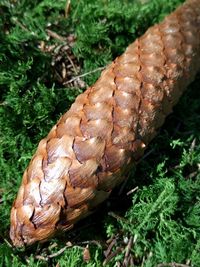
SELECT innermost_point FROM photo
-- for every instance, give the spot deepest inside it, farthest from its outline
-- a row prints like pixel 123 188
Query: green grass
pixel 163 215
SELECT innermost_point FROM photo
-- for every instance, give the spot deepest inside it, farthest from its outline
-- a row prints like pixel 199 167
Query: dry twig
pixel 53 255
pixel 83 75
pixel 112 243
pixel 132 190
pixel 112 255
pixel 55 35
pixel 127 257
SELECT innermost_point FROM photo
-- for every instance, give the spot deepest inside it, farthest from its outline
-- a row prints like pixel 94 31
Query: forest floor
pixel 50 51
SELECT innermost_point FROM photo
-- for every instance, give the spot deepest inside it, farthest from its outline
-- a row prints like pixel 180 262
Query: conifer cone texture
pixel 91 148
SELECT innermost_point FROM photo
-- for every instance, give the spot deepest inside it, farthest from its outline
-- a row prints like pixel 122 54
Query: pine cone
pixel 91 148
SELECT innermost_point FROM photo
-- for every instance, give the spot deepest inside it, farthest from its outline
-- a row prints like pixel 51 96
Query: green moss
pixel 164 212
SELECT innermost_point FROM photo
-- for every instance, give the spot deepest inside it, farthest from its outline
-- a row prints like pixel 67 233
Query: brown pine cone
pixel 88 152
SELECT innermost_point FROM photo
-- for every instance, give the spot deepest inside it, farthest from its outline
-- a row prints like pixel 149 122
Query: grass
pixel 160 221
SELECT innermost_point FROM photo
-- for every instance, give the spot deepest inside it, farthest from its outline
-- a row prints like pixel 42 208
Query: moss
pixel 163 214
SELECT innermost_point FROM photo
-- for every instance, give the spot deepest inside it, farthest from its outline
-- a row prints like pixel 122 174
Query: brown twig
pixel 72 63
pixel 55 35
pixel 40 257
pixel 60 251
pixel 83 75
pixel 54 245
pixel 132 190
pixel 53 255
pixel 127 253
pixel 112 255
pixel 111 239
pixel 113 242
